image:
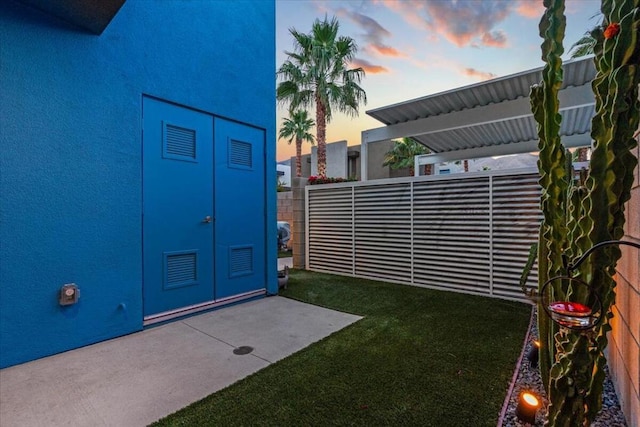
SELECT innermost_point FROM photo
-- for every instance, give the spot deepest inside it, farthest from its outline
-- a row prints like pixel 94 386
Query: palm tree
pixel 297 127
pixel 317 74
pixel 583 47
pixel 402 154
pixel 465 164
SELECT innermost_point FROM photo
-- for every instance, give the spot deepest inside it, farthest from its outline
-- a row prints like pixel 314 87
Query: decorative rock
pixel 529 379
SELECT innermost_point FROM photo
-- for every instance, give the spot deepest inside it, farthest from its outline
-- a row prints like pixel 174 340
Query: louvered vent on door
pixel 240 261
pixel 179 143
pixel 240 154
pixel 180 269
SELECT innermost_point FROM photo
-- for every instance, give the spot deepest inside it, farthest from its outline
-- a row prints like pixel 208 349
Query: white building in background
pixel 511 161
pixel 283 174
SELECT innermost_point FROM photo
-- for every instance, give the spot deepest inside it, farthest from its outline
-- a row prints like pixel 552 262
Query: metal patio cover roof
pixel 490 113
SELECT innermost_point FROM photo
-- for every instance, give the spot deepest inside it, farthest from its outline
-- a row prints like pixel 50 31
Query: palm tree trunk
pixel 582 154
pixel 321 127
pixel 298 156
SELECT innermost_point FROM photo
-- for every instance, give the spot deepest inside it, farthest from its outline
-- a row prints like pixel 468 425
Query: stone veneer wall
pixel 298 227
pixel 624 340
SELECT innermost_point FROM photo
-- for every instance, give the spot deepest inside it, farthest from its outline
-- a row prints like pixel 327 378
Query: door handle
pixel 207 219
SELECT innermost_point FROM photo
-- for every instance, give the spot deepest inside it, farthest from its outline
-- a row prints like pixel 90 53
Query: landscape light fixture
pixel 534 354
pixel 528 405
pixel 572 304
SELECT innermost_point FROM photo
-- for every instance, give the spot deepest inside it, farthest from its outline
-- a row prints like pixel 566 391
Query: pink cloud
pixel 387 51
pixel 495 39
pixel 374 34
pixel 480 75
pixel 530 8
pixel 410 10
pixel 462 23
pixel 368 67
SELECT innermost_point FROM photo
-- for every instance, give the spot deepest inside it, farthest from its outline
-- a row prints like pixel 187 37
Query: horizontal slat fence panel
pixel 467 233
pixel 451 234
pixel 330 222
pixel 383 232
pixel 516 221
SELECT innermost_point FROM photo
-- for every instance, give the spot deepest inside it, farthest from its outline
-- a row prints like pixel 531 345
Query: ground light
pixel 571 314
pixel 534 354
pixel 528 405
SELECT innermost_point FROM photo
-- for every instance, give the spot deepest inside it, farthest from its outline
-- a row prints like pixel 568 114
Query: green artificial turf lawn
pixel 285 254
pixel 418 358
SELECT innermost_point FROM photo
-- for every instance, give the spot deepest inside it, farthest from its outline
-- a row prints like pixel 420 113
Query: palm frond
pixel 297 126
pixel 317 74
pixel 402 154
pixel 584 46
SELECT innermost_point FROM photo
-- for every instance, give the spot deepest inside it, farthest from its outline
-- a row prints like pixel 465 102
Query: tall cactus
pixel 551 163
pixel 612 164
pixel 578 216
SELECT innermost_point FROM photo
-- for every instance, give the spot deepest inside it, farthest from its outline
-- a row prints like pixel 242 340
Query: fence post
pixel 491 227
pixel 299 222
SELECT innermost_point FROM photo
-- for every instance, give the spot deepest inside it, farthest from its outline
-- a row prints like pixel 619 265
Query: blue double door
pixel 203 208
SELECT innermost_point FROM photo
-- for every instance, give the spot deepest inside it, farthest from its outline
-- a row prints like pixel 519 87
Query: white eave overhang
pixel 91 15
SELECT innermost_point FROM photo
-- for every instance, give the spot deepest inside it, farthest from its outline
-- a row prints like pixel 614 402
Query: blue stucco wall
pixel 70 146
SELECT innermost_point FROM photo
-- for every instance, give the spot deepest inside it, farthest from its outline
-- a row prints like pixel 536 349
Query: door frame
pixel 270 270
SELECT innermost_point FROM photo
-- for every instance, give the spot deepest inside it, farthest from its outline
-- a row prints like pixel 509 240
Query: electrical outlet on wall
pixel 69 294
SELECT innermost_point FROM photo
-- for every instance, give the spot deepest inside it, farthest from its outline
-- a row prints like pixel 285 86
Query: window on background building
pixel 351 167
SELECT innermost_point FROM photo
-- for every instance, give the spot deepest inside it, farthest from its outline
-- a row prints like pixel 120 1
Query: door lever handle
pixel 207 219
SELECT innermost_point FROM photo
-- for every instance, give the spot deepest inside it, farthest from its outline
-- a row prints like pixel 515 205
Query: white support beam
pixel 572 141
pixel 569 98
pixel 364 158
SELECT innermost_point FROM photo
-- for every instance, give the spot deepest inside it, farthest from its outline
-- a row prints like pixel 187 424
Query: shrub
pixel 314 180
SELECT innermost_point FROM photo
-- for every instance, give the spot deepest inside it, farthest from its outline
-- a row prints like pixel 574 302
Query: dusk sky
pixel 413 48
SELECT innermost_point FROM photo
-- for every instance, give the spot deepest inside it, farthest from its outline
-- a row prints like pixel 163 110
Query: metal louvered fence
pixel 466 232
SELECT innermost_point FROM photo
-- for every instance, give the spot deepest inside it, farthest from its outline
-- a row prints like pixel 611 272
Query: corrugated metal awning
pixel 490 115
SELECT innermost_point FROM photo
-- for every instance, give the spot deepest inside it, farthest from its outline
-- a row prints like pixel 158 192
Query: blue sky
pixel 414 48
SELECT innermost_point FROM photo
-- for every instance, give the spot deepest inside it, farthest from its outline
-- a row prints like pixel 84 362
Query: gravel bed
pixel 529 379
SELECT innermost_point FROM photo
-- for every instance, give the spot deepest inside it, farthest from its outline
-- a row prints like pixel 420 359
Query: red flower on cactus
pixel 612 30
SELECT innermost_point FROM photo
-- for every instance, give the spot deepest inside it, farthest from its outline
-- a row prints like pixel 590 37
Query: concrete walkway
pixel 285 261
pixel 140 378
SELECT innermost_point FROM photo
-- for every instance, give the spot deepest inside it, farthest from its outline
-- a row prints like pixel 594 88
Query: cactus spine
pixel 578 216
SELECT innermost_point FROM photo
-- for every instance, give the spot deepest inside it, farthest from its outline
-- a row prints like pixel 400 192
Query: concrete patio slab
pixel 140 378
pixel 288 261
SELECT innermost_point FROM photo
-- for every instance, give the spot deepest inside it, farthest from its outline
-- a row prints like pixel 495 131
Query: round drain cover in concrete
pixel 245 349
